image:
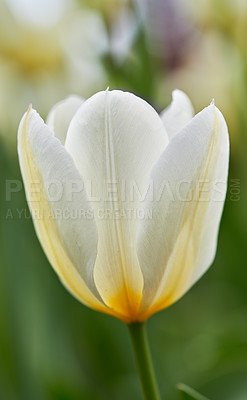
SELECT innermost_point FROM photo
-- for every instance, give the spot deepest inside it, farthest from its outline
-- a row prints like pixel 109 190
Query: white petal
pixel 69 239
pixel 178 244
pixel 178 113
pixel 61 114
pixel 115 139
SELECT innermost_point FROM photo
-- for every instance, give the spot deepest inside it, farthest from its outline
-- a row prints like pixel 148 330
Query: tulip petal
pixel 178 113
pixel 178 245
pixel 61 114
pixel 115 139
pixel 55 194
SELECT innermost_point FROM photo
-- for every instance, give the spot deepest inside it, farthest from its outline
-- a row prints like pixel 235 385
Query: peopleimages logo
pixel 120 192
pixel 80 213
pixel 110 201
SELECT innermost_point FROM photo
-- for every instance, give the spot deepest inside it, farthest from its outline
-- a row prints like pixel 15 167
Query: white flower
pixel 43 63
pixel 126 204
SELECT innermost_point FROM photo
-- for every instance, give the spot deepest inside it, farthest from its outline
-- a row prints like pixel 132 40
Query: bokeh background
pixel 52 347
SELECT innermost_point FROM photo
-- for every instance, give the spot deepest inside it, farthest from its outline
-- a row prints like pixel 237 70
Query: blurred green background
pixel 52 347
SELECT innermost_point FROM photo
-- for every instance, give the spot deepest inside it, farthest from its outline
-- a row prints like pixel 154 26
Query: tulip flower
pixel 126 203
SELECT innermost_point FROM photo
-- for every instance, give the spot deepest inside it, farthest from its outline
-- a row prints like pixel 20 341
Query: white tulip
pixel 126 203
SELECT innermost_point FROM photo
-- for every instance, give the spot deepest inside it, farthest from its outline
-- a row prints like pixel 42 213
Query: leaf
pixel 189 393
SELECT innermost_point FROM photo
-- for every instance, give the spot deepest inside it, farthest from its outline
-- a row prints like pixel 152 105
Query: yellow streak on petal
pixel 127 306
pixel 180 268
pixel 47 231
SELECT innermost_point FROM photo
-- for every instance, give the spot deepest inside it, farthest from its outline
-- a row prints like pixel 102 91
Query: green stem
pixel 145 369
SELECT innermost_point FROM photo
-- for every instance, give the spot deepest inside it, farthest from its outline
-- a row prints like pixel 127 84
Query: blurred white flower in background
pixel 40 63
pixel 123 25
pixel 192 45
pixel 85 42
pixel 214 66
pixel 35 12
pixel 124 31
